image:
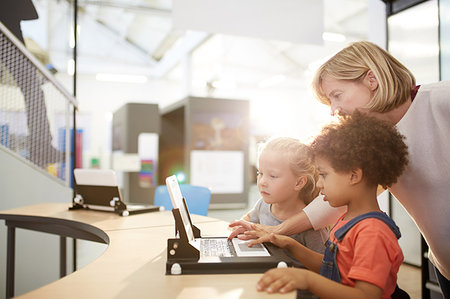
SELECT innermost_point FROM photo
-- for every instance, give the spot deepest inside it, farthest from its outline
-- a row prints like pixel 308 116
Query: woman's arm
pixel 291 226
pixel 321 214
pixel 318 214
pixel 260 233
pixel 294 225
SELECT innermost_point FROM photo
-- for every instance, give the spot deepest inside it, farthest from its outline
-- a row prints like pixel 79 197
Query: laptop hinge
pixel 194 228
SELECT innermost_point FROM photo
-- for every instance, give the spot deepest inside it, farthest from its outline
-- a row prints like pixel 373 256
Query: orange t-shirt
pixel 369 252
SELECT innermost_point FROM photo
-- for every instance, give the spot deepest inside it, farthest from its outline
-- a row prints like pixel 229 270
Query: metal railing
pixel 36 112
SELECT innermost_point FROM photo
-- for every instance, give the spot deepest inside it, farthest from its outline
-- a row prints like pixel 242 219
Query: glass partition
pixel 413 38
pixel 444 34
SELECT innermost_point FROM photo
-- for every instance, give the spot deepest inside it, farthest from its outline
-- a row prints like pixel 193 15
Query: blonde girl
pixel 286 180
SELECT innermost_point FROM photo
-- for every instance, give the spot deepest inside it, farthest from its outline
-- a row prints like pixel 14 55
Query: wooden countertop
pixel 133 265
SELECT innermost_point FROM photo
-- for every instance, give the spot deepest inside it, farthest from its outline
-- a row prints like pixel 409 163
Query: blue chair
pixel 197 198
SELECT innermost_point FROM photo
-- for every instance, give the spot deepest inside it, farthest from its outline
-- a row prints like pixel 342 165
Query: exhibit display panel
pixel 205 142
pixel 135 143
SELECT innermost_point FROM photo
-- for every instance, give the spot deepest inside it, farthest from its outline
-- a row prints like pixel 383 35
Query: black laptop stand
pixel 183 258
pixel 98 195
pixel 179 249
pixel 105 198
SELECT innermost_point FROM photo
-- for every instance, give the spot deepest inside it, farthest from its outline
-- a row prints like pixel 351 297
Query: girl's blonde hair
pixel 352 63
pixel 300 160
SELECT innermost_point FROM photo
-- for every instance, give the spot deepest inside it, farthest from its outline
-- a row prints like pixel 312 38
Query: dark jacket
pixel 14 11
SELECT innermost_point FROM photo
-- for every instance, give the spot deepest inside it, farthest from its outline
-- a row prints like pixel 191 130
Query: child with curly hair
pixel 363 256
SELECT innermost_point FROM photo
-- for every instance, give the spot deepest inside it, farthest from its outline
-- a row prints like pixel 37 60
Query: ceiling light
pixel 314 65
pixel 70 67
pixel 277 79
pixel 121 78
pixel 224 84
pixel 333 37
pixel 72 36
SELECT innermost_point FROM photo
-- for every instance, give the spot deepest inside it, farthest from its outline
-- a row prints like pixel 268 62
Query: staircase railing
pixel 36 111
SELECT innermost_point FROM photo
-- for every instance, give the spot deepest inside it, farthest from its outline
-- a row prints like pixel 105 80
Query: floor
pixel 409 277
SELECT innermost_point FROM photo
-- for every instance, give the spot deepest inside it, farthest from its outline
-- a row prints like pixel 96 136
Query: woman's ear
pixel 370 80
pixel 301 182
pixel 356 176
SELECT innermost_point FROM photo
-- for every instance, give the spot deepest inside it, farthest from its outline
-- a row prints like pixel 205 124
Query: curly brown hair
pixel 365 142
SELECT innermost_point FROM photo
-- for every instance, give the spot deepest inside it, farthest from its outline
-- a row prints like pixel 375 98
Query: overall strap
pixel 340 233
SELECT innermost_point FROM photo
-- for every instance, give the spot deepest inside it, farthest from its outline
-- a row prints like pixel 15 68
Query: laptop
pixel 97 189
pixel 196 255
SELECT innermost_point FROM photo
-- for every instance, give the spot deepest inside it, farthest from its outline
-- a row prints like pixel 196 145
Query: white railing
pixel 36 112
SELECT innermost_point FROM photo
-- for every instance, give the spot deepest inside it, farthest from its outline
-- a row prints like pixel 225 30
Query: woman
pixel 365 77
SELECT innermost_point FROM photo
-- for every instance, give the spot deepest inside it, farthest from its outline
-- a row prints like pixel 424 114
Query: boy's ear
pixel 301 182
pixel 356 176
pixel 370 80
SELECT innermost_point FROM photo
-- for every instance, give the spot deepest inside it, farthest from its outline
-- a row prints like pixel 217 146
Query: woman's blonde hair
pixel 300 161
pixel 352 63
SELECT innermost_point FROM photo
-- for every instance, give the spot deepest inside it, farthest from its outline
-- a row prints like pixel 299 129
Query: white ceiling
pixel 136 37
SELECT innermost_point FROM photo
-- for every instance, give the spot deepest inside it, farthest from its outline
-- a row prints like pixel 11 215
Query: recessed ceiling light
pixel 121 78
pixel 333 37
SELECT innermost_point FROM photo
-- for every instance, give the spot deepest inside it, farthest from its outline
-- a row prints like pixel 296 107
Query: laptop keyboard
pixel 217 247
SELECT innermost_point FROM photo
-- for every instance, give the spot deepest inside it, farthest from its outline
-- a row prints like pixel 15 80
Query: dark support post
pixel 74 140
pixel 425 273
pixel 10 261
pixel 62 257
pixel 74 261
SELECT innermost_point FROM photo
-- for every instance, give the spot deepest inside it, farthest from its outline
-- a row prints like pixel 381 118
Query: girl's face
pixel 345 96
pixel 276 181
pixel 334 186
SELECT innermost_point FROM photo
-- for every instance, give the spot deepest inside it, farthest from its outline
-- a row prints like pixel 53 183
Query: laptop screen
pixel 95 188
pixel 177 202
pixel 95 177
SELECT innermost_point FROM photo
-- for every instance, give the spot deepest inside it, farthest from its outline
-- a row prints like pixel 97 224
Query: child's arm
pixel 289 279
pixel 309 258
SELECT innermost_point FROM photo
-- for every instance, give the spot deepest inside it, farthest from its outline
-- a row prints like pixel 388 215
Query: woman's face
pixel 345 96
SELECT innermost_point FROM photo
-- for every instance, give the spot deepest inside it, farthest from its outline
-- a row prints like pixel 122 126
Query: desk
pixel 133 265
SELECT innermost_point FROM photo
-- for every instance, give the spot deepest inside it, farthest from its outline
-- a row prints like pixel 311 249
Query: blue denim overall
pixel 329 266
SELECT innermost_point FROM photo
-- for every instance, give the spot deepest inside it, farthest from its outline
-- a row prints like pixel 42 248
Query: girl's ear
pixel 356 176
pixel 371 81
pixel 301 182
